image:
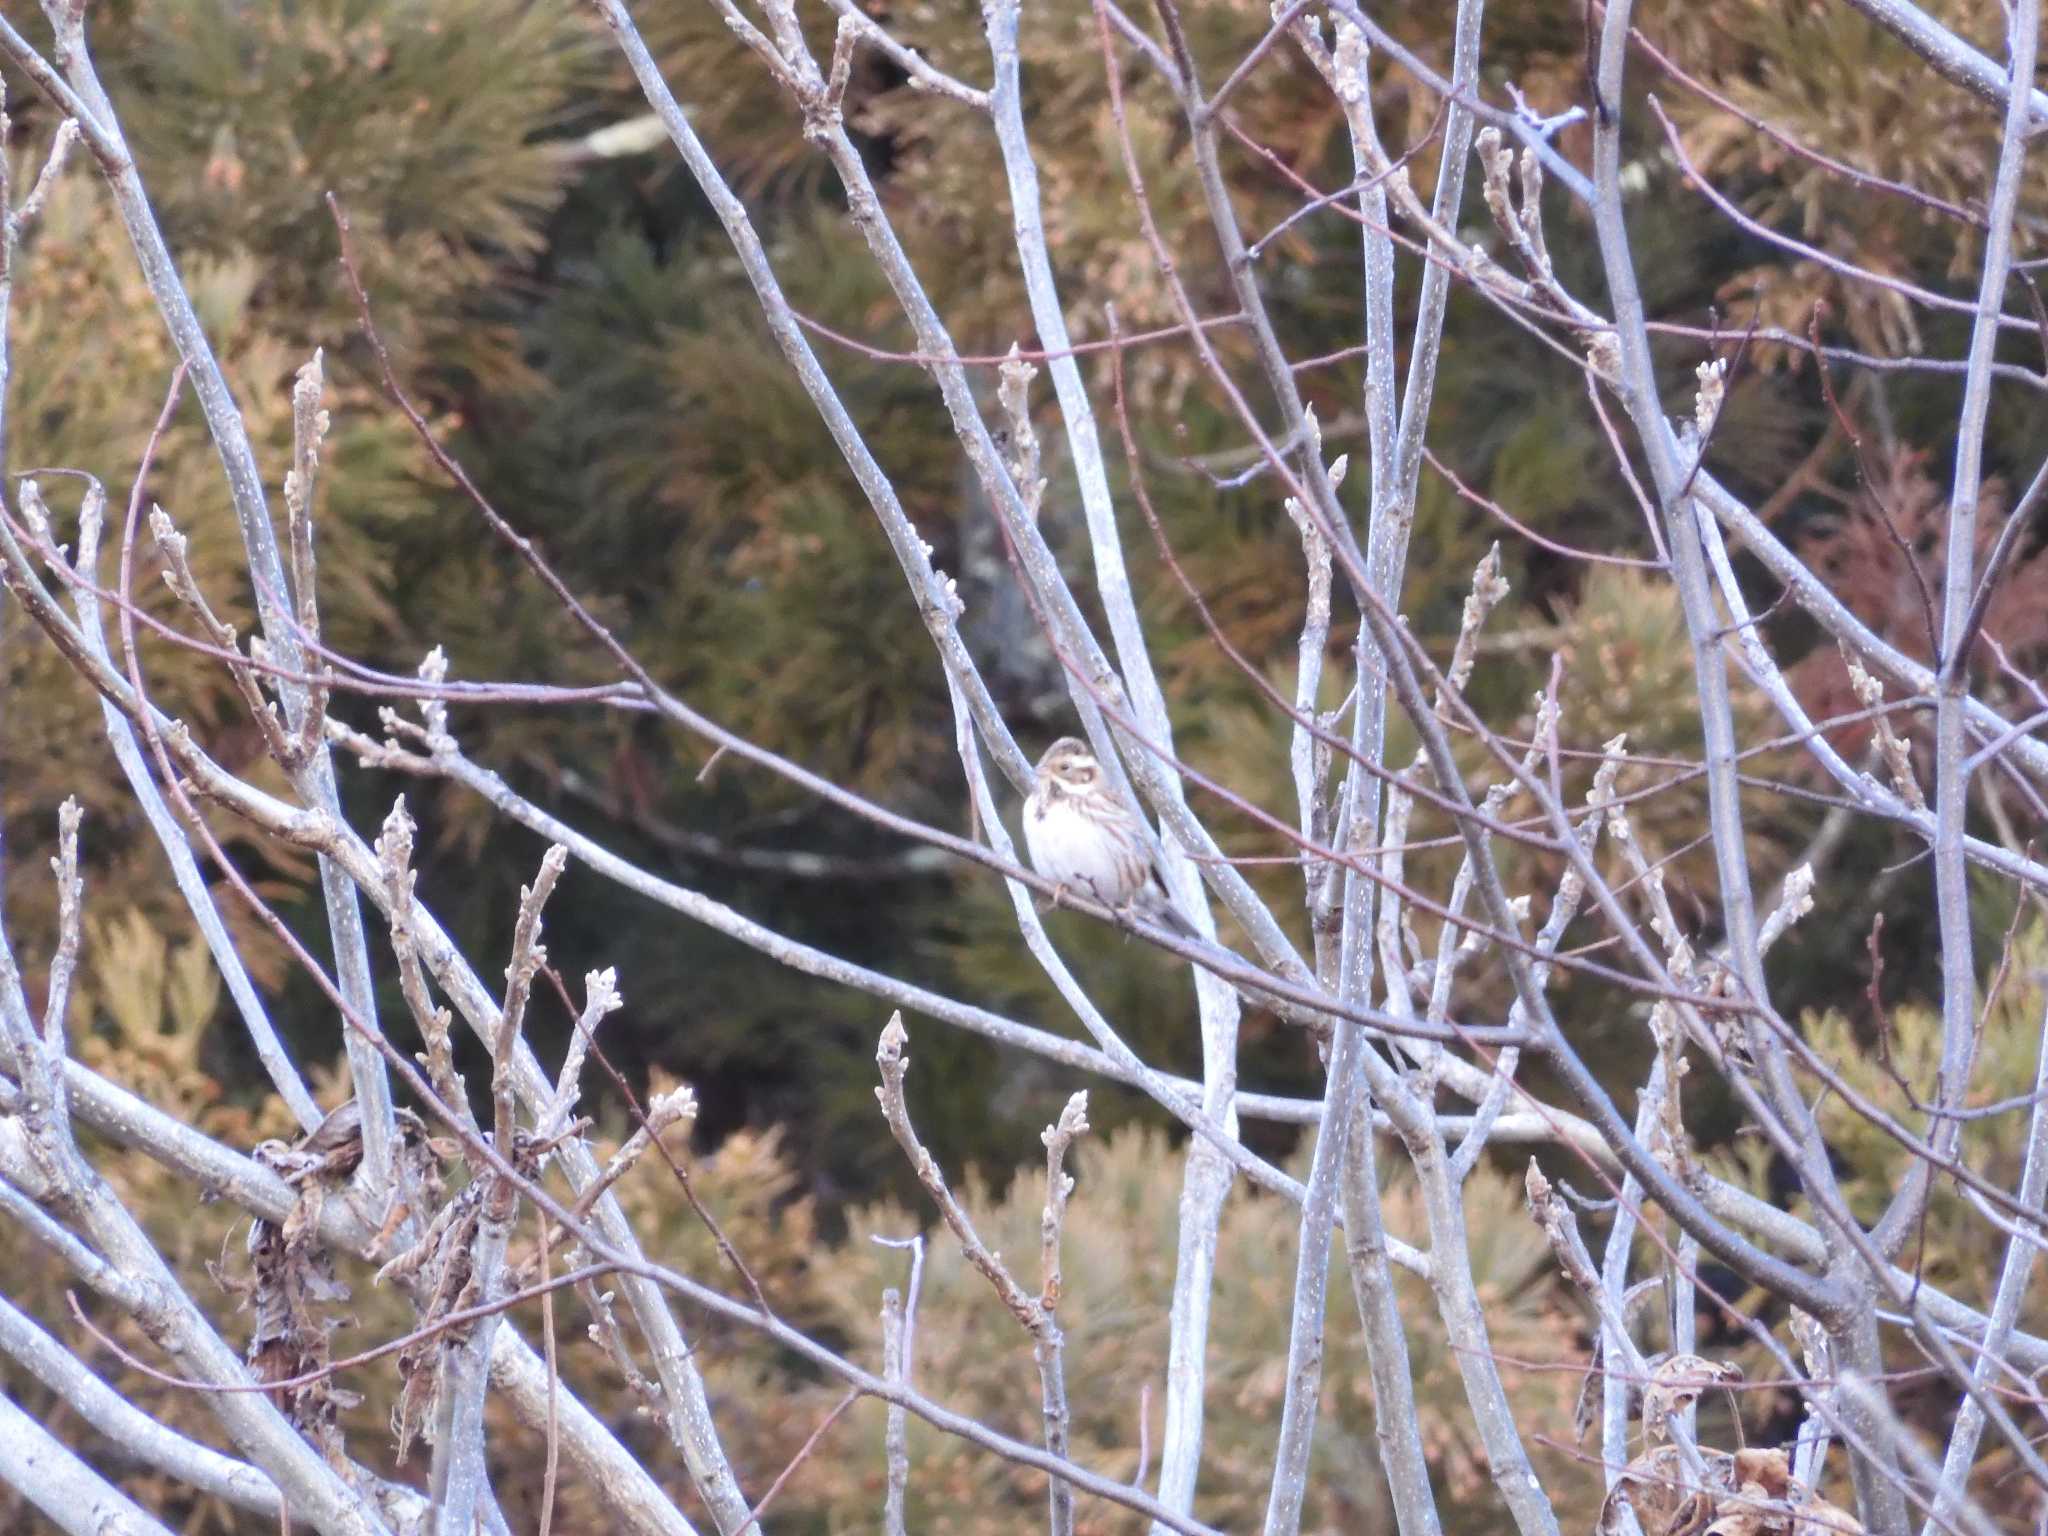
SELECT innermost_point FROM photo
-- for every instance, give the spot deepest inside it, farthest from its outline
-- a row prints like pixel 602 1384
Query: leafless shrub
pixel 1924 597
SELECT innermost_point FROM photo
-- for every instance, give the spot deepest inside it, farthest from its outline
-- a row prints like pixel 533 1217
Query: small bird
pixel 1082 836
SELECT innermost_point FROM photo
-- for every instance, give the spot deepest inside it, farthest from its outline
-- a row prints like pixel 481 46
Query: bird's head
pixel 1068 765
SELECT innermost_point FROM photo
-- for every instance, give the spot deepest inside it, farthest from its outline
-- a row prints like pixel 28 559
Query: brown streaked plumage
pixel 1081 835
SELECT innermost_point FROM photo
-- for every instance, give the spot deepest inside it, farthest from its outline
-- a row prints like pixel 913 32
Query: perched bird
pixel 1082 836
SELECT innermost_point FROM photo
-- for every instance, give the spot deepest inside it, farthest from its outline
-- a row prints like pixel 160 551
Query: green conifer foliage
pixel 574 325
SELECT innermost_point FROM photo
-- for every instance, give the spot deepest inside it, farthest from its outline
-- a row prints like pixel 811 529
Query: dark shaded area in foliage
pixel 590 350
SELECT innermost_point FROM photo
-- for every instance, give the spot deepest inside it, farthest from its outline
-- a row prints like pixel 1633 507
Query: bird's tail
pixel 1161 909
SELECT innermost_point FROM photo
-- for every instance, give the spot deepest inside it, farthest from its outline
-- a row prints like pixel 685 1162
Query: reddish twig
pixel 440 1325
pixel 802 1455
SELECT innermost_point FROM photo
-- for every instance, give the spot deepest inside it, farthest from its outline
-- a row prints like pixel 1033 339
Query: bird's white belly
pixel 1070 848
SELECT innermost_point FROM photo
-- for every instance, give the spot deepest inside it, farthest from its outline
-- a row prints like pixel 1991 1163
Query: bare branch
pixel 1035 1314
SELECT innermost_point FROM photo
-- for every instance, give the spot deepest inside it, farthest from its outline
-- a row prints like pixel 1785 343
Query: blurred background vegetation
pixel 584 340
